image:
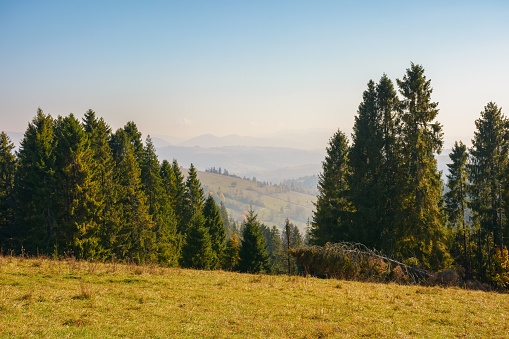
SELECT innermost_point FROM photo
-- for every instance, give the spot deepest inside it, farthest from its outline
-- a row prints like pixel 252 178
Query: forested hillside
pixel 272 203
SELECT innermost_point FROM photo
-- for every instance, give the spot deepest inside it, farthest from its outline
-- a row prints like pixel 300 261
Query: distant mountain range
pixel 264 157
pixel 264 163
pixel 300 139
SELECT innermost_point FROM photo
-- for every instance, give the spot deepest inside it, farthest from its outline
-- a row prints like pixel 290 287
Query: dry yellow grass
pixel 66 298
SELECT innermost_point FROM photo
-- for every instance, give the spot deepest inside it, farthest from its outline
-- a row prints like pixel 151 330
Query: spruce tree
pixel 108 216
pixel 77 191
pixel 7 202
pixel 488 171
pixel 419 231
pixel 134 237
pixel 181 200
pixel 134 136
pixel 374 165
pixel 456 200
pixel 196 197
pixel 331 219
pixel 273 243
pixel 253 253
pixel 197 251
pixel 214 225
pixel 150 175
pixel 169 182
pixel 159 207
pixel 391 174
pixel 228 226
pixel 365 180
pixel 34 186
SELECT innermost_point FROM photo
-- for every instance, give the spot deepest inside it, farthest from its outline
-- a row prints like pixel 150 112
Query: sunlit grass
pixel 68 298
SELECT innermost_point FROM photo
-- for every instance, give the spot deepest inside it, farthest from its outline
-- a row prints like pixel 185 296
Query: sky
pixel 186 68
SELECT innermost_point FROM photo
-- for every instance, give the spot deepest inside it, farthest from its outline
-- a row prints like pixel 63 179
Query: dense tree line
pixel 385 191
pixel 77 188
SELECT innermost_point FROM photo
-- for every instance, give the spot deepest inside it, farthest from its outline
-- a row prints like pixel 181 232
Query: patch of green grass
pixel 132 301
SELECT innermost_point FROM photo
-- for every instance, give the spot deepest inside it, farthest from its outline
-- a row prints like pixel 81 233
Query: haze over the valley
pixel 285 73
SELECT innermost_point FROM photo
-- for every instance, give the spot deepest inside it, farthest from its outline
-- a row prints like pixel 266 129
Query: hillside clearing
pixel 273 204
pixel 68 298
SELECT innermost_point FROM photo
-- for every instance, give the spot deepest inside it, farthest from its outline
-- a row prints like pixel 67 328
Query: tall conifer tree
pixel 108 216
pixel 159 207
pixel 214 225
pixel 456 200
pixel 182 205
pixel 373 165
pixel 253 257
pixel 274 248
pixel 77 193
pixel 133 237
pixel 197 251
pixel 7 202
pixel 365 161
pixel 331 219
pixel 420 231
pixel 134 137
pixel 196 197
pixel 35 186
pixel 169 182
pixel 488 170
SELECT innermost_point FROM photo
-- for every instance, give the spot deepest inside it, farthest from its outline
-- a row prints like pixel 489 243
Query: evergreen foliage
pixel 365 161
pixel 195 195
pixel 456 200
pixel 133 235
pixel 229 225
pixel 35 187
pixel 134 137
pixel 456 197
pixel 160 207
pixel 99 134
pixel 231 256
pixel 7 202
pixel 274 246
pixel 419 231
pixel 488 171
pixel 168 181
pixel 374 166
pixel 253 257
pixel 331 220
pixel 197 251
pixel 181 200
pixel 215 227
pixel 76 192
pixel 290 239
pixel 77 189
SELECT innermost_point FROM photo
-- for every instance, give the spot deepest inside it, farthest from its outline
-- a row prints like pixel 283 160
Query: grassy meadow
pixel 68 298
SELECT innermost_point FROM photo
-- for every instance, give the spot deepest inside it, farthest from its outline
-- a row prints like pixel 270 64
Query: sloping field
pixel 66 299
pixel 273 204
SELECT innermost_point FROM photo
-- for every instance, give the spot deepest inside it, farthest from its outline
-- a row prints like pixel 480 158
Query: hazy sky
pixel 184 68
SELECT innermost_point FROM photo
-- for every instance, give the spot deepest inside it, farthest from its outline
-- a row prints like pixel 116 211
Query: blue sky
pixel 235 67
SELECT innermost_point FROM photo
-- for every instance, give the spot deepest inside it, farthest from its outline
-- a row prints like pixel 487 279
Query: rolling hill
pixel 272 203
